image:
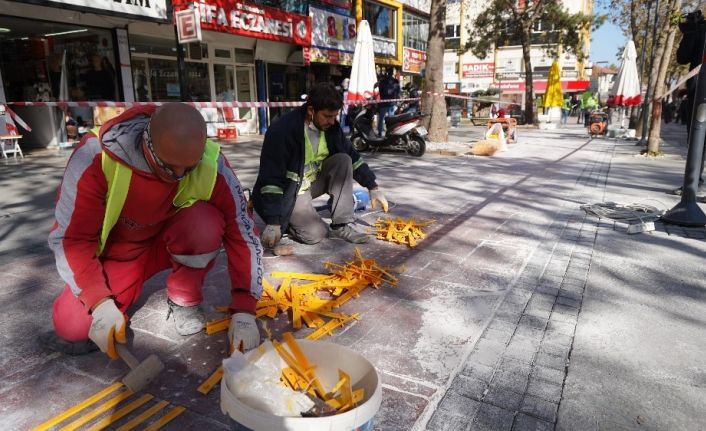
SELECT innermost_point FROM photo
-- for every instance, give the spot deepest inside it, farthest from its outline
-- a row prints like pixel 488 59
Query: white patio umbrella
pixel 63 96
pixel 64 80
pixel 626 88
pixel 363 77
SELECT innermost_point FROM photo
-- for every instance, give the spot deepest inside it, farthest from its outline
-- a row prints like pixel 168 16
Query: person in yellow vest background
pixel 149 193
pixel 305 155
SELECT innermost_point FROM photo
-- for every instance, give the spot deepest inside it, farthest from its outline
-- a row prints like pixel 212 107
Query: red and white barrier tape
pixel 235 104
pixel 106 104
pixel 686 77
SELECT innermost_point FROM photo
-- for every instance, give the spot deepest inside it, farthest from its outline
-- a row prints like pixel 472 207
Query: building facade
pixel 503 68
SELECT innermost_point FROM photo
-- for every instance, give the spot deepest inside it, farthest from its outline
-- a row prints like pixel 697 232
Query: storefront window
pixel 152 45
pixel 33 68
pixel 244 56
pixel 381 19
pixel 164 80
pixel 224 75
pixel 416 31
pixel 197 77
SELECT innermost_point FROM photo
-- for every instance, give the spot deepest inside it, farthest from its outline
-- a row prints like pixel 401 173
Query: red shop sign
pixel 245 19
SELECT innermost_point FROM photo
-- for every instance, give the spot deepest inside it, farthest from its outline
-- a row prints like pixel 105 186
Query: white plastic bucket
pixel 328 358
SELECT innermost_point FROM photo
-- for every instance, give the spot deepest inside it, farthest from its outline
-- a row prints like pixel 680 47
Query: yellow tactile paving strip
pixel 114 409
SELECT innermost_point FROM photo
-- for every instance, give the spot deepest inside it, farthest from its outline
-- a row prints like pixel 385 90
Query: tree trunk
pixel 529 87
pixel 435 105
pixel 665 56
pixel 653 66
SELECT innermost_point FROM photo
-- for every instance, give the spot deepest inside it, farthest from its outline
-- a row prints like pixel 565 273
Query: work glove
pixel 243 329
pixel 271 235
pixel 108 326
pixel 376 197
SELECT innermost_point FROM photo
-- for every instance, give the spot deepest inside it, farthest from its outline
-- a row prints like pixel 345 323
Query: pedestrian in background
pixel 565 110
pixel 389 88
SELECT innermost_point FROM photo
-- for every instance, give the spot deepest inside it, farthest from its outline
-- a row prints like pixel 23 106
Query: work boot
pixel 347 233
pixel 188 320
pixel 57 344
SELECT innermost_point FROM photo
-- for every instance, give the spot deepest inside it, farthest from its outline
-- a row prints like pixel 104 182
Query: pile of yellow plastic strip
pixel 300 375
pixel 401 231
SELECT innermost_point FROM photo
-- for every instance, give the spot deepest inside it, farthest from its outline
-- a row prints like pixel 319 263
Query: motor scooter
pixel 403 132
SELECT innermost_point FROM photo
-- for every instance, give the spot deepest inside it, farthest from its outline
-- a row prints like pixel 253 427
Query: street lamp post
pixel 646 103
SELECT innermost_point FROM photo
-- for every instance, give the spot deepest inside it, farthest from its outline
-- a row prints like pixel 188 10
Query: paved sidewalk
pixel 517 311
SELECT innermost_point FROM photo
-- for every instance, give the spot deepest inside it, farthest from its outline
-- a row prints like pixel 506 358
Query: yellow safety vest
pixel 196 186
pixel 313 162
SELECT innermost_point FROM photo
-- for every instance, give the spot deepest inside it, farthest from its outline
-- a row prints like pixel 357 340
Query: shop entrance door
pixel 140 79
pixel 245 91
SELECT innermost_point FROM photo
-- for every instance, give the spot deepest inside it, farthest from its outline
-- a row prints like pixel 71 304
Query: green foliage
pixel 505 22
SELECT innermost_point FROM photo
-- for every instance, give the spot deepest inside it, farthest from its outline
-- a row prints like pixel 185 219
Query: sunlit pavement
pixel 517 311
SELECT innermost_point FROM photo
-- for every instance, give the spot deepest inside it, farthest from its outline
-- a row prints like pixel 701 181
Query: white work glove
pixel 376 197
pixel 243 329
pixel 107 327
pixel 271 235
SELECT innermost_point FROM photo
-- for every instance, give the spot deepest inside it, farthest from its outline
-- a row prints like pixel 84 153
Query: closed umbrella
pixel 554 97
pixel 64 80
pixel 363 77
pixel 626 88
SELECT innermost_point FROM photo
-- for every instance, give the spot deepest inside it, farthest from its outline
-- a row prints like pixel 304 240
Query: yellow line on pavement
pixel 120 413
pixel 143 416
pixel 97 411
pixel 77 408
pixel 159 423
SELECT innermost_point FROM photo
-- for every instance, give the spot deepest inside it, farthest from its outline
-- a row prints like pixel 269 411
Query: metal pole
pixel 646 104
pixel 181 69
pixel 687 211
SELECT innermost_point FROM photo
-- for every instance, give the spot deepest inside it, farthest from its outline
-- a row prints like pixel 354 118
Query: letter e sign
pixel 188 24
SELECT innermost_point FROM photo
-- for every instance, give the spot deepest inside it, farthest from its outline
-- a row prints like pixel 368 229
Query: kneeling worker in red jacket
pixel 150 193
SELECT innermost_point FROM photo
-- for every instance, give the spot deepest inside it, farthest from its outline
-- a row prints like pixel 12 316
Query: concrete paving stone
pixel 523 348
pixel 531 333
pixel 399 409
pixel 510 381
pixel 533 321
pixel 524 422
pixel 566 293
pixel 492 418
pixel 574 288
pixel 518 297
pixel 487 352
pixel 544 390
pixel 569 302
pixel 507 306
pixel 459 405
pixel 566 309
pixel 541 301
pixel 503 398
pixel 550 375
pixel 564 317
pixel 547 289
pixel 561 327
pixel 501 325
pixel 539 408
pixel 497 335
pixel 509 316
pixel 478 371
pixel 550 361
pixel 469 387
pixel 557 337
pixel 555 349
pixel 444 420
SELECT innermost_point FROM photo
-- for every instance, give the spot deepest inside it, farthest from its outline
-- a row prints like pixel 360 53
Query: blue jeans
pixel 384 111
